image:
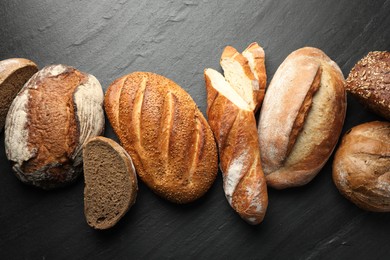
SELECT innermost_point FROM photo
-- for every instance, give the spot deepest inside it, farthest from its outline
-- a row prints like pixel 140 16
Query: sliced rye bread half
pixel 14 73
pixel 110 182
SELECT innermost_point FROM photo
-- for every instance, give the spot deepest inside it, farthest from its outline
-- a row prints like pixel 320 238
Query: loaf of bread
pixel 169 140
pixel 301 118
pixel 110 182
pixel 231 102
pixel 361 166
pixel 369 82
pixel 14 73
pixel 50 119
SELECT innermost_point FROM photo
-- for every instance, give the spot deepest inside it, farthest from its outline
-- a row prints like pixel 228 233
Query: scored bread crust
pixel 57 110
pixel 14 73
pixel 166 135
pixel 236 135
pixel 361 166
pixel 105 204
pixel 301 118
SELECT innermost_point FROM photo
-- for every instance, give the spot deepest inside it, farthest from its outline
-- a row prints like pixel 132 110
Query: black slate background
pixel 178 39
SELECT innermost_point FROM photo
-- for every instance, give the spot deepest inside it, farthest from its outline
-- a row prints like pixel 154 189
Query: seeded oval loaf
pixel 361 166
pixel 50 119
pixel 110 182
pixel 231 102
pixel 369 82
pixel 169 140
pixel 14 73
pixel 301 118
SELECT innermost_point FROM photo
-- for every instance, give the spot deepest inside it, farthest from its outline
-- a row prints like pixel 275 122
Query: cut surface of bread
pixel 14 73
pixel 245 73
pixel 110 182
pixel 225 89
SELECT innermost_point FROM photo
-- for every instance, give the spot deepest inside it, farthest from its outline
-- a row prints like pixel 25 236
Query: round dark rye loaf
pixel 110 182
pixel 169 140
pixel 51 118
pixel 14 73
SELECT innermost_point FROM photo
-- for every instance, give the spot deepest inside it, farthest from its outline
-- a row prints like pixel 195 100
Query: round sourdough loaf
pixel 361 166
pixel 301 118
pixel 50 119
pixel 169 140
pixel 14 73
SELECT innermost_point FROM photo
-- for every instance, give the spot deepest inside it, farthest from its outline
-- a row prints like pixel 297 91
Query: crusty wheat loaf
pixel 54 114
pixel 231 101
pixel 301 118
pixel 14 73
pixel 361 166
pixel 110 182
pixel 169 140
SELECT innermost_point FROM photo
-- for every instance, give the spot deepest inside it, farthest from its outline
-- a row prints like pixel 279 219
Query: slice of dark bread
pixel 14 73
pixel 110 182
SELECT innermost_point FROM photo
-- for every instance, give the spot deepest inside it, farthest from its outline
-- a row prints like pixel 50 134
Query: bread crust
pixel 301 118
pixel 166 135
pixel 255 55
pixel 361 166
pixel 236 135
pixel 57 110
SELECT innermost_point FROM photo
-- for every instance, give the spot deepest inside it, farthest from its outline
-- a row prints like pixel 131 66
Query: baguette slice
pixel 233 122
pixel 246 73
pixel 110 182
pixel 14 73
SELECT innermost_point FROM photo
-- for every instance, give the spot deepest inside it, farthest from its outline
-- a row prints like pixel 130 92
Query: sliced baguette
pixel 231 102
pixel 110 182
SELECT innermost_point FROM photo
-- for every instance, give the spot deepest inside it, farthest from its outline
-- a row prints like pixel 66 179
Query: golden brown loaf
pixel 14 73
pixel 110 182
pixel 230 109
pixel 361 167
pixel 51 118
pixel 169 140
pixel 301 118
pixel 369 82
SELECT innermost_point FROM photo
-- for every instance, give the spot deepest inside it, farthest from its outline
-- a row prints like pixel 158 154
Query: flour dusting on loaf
pixel 57 110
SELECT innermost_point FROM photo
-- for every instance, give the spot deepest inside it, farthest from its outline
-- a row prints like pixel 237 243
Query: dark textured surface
pixel 178 39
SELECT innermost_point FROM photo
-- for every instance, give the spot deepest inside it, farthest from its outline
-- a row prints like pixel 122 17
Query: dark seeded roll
pixel 369 82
